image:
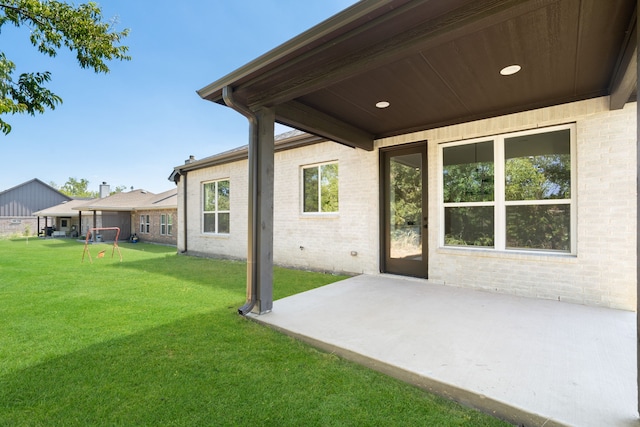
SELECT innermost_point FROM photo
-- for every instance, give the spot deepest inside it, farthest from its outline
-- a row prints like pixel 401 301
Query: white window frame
pixel 499 203
pixel 217 211
pixel 165 220
pixel 319 167
pixel 144 224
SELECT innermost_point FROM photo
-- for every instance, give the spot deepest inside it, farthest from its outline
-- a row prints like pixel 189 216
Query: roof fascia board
pixel 242 153
pixel 359 10
pixel 155 208
pixel 105 208
pixel 625 78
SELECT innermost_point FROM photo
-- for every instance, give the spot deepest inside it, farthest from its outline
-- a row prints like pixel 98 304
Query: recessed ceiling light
pixel 511 69
pixel 382 104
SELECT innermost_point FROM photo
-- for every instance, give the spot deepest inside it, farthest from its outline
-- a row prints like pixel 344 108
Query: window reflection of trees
pixel 406 206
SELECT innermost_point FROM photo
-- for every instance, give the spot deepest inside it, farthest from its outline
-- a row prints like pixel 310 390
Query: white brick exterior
pixel 325 242
pixel 602 273
pixel 233 245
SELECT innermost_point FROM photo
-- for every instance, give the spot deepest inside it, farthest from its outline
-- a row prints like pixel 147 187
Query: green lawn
pixel 155 340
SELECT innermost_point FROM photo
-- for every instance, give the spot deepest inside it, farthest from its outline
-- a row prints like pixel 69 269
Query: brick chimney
pixel 105 190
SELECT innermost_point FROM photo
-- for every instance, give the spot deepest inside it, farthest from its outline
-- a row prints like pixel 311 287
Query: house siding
pixel 87 222
pixel 601 273
pixel 153 236
pixel 23 226
pixel 326 241
pixel 232 245
pixel 18 204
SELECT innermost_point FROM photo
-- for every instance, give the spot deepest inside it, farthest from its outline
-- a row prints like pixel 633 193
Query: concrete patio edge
pixel 493 407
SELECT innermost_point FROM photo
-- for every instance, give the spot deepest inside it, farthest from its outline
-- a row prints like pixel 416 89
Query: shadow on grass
pixel 70 242
pixel 214 369
pixel 70 257
pixel 221 274
pixel 227 274
pixel 148 247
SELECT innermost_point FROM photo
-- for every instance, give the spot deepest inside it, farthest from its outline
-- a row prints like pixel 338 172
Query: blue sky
pixel 131 127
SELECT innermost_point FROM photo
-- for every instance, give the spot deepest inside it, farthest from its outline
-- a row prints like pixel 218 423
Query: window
pixel 216 208
pixel 468 189
pixel 510 192
pixel 166 224
pixel 320 188
pixel 144 224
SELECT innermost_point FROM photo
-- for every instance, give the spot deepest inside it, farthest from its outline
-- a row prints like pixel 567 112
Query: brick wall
pixel 603 272
pixel 232 245
pixel 154 236
pixel 19 226
pixel 327 241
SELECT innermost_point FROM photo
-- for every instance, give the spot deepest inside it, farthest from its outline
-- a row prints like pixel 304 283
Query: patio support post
pixel 95 225
pixel 261 162
pixel 260 204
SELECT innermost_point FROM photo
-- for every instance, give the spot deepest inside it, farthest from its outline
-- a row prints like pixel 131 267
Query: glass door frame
pixel 405 267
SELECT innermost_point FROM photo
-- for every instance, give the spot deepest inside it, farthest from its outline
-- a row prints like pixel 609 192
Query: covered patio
pixel 531 362
pixel 384 69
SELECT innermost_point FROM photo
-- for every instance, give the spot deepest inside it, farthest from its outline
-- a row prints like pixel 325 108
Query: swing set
pixel 101 253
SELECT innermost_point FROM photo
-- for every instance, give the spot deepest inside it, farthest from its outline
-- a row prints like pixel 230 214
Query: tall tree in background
pixel 53 24
pixel 76 188
pixel 80 188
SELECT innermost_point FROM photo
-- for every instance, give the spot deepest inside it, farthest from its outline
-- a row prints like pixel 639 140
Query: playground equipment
pixel 101 253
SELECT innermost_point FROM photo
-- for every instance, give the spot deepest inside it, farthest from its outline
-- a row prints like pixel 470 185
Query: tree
pixel 76 188
pixel 54 24
pixel 118 189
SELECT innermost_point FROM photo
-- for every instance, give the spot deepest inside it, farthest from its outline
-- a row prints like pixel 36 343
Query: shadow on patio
pixel 529 361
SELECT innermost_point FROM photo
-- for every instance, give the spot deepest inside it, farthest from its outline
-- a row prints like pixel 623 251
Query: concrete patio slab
pixel 529 361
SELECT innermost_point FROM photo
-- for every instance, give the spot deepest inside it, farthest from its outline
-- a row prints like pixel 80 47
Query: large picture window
pixel 510 192
pixel 216 207
pixel 320 188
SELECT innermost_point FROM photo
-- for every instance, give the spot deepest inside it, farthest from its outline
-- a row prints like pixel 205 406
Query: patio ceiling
pixel 438 63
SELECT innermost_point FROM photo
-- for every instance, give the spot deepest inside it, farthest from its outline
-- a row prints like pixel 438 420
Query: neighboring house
pixel 461 171
pixel 150 216
pixel 66 220
pixel 155 218
pixel 18 205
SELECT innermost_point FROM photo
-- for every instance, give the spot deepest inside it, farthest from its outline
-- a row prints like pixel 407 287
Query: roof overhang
pixel 438 63
pixel 105 208
pixel 282 143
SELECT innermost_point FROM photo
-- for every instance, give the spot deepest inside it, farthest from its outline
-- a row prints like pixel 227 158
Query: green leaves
pixel 76 188
pixel 52 25
pixel 27 95
pixel 321 188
